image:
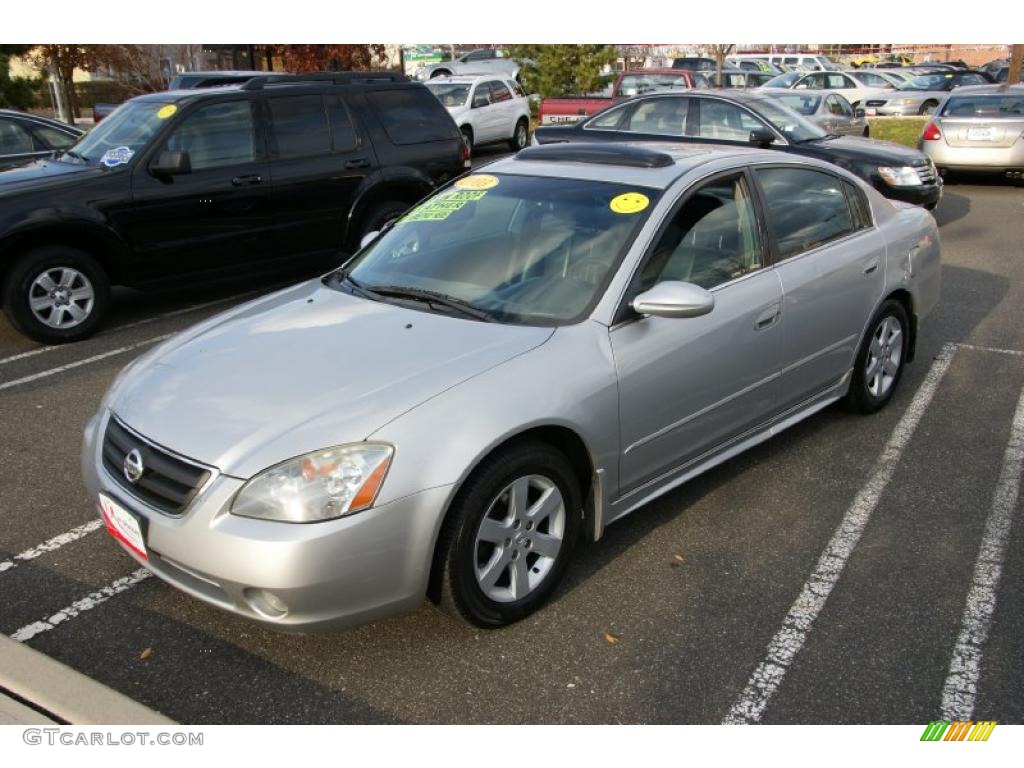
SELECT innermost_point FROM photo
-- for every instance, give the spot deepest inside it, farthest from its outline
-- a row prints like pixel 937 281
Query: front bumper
pixel 330 575
pixel 923 194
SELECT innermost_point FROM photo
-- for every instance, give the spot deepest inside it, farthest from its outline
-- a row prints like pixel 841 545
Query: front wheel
pixel 881 359
pixel 56 294
pixel 927 108
pixel 510 535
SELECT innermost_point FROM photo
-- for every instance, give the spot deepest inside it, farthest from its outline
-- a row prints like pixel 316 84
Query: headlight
pixel 319 486
pixel 899 177
pixel 903 102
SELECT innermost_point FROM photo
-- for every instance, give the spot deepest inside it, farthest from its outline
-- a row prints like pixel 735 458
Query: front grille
pixel 875 103
pixel 168 483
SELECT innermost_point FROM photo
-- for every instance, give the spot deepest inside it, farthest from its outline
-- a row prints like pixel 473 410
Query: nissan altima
pixel 525 358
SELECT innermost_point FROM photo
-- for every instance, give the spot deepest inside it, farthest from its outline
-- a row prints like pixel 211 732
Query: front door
pixel 214 218
pixel 688 387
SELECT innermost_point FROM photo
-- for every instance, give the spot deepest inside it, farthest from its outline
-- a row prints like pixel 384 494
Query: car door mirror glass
pixel 672 298
pixel 859 112
pixel 368 238
pixel 170 164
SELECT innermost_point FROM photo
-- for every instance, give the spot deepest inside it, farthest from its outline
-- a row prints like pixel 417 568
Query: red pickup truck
pixel 631 83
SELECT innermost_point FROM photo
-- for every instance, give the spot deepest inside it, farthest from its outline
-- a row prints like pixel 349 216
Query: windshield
pixel 128 129
pixel 450 94
pixel 793 126
pixel 936 82
pixel 521 249
pixel 634 85
pixel 805 105
pixel 783 81
pixel 985 106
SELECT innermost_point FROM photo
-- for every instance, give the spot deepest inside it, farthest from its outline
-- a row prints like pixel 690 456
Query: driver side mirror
pixel 368 238
pixel 672 298
pixel 761 137
pixel 170 164
pixel 859 112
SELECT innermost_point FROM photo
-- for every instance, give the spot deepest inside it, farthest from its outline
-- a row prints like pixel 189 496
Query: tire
pixel 871 389
pixel 928 107
pixel 467 134
pixel 71 292
pixel 380 216
pixel 521 135
pixel 867 133
pixel 487 567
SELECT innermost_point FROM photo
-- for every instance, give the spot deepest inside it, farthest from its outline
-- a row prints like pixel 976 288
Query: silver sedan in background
pixel 529 355
pixel 826 109
pixel 922 94
pixel 978 129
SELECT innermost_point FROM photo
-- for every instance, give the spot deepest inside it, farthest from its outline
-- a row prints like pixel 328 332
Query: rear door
pixel 505 109
pixel 688 387
pixel 830 261
pixel 319 159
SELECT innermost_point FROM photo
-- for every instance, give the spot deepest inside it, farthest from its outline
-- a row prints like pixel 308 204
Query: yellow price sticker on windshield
pixel 166 111
pixel 630 202
pixel 477 181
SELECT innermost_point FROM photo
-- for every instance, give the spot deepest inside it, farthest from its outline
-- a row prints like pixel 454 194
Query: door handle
pixel 247 181
pixel 361 162
pixel 767 318
pixel 870 267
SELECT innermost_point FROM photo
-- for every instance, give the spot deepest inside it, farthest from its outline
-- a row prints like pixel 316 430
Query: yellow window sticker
pixel 166 111
pixel 630 202
pixel 477 181
pixel 444 205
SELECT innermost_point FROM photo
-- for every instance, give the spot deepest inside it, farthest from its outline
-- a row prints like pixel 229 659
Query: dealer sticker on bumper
pixel 123 526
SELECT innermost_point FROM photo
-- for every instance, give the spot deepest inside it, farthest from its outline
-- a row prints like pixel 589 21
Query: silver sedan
pixel 978 129
pixel 922 94
pixel 526 357
pixel 826 109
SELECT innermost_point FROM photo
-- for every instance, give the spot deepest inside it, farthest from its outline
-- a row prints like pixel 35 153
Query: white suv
pixel 486 108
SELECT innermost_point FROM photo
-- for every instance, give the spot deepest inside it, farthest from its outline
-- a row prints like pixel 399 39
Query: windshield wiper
pixel 75 155
pixel 425 296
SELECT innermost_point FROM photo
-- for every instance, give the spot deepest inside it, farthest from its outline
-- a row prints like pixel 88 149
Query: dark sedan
pixel 753 118
pixel 25 137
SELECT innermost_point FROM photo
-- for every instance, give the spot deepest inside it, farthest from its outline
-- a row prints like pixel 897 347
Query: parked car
pixel 785 80
pixel 745 118
pixel 753 65
pixel 978 129
pixel 487 108
pixel 922 94
pixel 478 62
pixel 25 137
pixel 1003 74
pixel 632 296
pixel 854 89
pixel 803 61
pixel 828 110
pixel 212 78
pixel 278 175
pixel 572 109
pixel 695 63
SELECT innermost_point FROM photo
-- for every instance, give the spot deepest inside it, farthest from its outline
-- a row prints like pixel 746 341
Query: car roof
pixel 468 79
pixel 801 91
pixel 670 161
pixel 989 88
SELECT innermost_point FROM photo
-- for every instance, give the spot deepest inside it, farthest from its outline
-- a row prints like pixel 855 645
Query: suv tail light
pixel 466 155
pixel 931 132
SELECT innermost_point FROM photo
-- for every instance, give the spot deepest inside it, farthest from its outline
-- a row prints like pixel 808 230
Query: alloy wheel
pixel 885 354
pixel 61 297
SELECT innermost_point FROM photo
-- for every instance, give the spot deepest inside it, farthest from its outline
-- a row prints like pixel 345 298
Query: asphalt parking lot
pixel 708 604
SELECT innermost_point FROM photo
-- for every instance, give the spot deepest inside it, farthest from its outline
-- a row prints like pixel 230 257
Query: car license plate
pixel 979 134
pixel 561 119
pixel 123 526
pixel 871 111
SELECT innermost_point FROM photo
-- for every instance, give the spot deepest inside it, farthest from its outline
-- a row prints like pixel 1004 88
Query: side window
pixel 499 92
pixel 54 139
pixel 834 107
pixel 712 239
pixel 859 205
pixel 791 61
pixel 300 125
pixel 217 135
pixel 663 116
pixel 805 208
pixel 517 89
pixel 838 81
pixel 609 120
pixel 14 139
pixel 482 95
pixel 727 122
pixel 844 106
pixel 970 78
pixel 411 115
pixel 343 134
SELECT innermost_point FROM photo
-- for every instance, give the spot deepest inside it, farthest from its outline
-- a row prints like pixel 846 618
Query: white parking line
pixel 86 361
pixel 997 350
pixel 960 691
pixel 790 638
pixel 86 603
pixel 52 544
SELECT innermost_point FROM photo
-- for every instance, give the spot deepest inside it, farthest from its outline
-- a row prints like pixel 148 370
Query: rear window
pixel 411 115
pixel 985 106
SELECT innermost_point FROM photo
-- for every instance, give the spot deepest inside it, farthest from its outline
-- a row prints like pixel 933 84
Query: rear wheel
pixel 520 136
pixel 509 535
pixel 440 73
pixel 881 359
pixel 56 294
pixel 381 215
pixel 467 134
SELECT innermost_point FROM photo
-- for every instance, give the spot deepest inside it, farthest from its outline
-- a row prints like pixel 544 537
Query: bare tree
pixel 720 51
pixel 1016 58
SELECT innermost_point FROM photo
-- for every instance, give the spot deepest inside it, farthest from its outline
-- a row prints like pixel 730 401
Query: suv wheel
pixel 881 359
pixel 440 73
pixel 56 294
pixel 381 215
pixel 509 535
pixel 467 134
pixel 520 136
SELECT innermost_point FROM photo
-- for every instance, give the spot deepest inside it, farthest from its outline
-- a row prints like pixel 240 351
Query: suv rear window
pixel 411 115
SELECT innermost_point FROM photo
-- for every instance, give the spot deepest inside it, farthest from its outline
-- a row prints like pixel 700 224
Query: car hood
pixel 303 369
pixel 870 150
pixel 44 174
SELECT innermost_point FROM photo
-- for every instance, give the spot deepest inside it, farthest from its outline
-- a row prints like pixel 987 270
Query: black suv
pixel 279 175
